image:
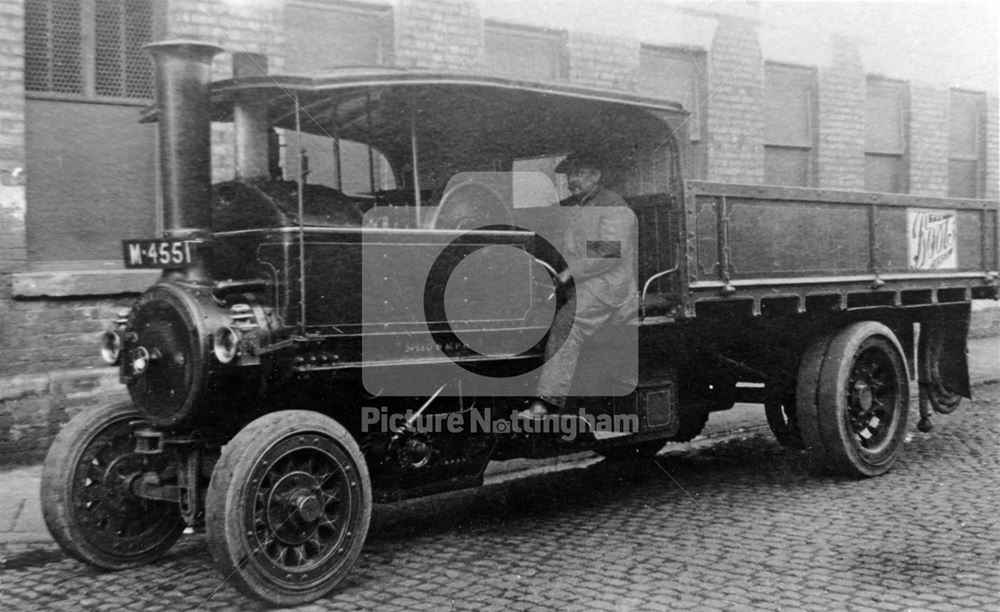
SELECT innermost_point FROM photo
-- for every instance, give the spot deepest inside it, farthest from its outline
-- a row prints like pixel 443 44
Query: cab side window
pixel 347 166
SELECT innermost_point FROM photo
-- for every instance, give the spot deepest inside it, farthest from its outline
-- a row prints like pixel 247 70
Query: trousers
pixel 575 322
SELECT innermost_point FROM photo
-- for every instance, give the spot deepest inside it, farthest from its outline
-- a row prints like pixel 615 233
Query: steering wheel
pixel 468 206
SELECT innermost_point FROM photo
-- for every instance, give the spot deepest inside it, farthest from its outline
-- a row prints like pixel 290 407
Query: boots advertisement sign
pixel 932 239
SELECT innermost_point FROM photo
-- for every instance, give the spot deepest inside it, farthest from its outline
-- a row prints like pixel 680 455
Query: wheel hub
pixel 295 507
pixel 113 525
pixel 307 507
pixel 862 395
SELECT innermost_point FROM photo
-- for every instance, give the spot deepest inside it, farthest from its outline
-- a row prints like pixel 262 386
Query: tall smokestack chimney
pixel 183 72
pixel 250 120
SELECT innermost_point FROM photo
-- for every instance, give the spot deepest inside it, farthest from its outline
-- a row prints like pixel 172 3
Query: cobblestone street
pixel 738 524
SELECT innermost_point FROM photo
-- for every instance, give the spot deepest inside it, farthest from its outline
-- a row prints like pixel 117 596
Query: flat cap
pixel 581 159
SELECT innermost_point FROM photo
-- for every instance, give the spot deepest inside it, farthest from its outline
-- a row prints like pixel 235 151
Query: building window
pixel 89 48
pixel 535 54
pixel 327 34
pixel 790 128
pixel 965 144
pixel 886 112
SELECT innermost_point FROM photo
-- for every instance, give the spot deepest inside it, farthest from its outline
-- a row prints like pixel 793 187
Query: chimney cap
pixel 192 48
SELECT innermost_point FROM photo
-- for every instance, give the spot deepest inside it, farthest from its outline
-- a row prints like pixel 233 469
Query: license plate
pixel 160 253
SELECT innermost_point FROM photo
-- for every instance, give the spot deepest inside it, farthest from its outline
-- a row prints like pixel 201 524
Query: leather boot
pixel 537 410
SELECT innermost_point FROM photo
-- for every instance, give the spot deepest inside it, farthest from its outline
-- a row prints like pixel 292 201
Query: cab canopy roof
pixel 374 104
pixel 387 107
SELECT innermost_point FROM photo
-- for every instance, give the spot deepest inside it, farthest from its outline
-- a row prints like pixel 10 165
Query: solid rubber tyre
pixel 782 418
pixel 942 399
pixel 288 507
pixel 87 504
pixel 858 405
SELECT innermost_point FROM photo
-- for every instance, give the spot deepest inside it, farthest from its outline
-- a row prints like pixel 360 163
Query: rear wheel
pixel 932 349
pixel 288 507
pixel 87 493
pixel 783 420
pixel 854 413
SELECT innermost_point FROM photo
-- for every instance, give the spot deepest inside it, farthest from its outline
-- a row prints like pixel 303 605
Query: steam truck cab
pixel 382 259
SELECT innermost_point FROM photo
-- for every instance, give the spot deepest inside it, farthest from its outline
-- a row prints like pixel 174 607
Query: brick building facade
pixel 815 123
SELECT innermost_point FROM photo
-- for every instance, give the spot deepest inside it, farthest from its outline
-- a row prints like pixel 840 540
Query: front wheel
pixel 288 507
pixel 859 403
pixel 87 493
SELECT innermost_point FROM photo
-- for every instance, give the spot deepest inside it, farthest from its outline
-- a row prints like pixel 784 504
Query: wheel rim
pixel 873 400
pixel 303 502
pixel 111 517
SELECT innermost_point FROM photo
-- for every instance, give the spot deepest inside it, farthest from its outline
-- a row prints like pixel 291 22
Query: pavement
pixel 20 507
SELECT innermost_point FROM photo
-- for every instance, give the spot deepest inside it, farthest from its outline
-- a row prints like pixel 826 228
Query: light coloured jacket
pixel 599 246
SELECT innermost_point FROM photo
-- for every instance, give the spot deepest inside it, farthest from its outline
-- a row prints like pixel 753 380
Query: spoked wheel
pixel 468 206
pixel 783 420
pixel 87 496
pixel 288 507
pixel 860 401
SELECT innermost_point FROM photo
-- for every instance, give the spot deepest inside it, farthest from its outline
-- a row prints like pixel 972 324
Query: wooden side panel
pixel 748 233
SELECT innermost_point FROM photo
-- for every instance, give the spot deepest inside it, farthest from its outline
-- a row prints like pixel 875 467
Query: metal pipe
pixel 183 72
pixel 302 230
pixel 337 162
pixel 416 163
pixel 371 155
pixel 250 120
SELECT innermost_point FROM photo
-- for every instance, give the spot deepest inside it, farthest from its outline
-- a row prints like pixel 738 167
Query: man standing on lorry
pixel 598 287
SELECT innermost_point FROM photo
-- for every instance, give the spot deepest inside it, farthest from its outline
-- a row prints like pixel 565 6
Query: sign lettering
pixel 932 239
pixel 159 253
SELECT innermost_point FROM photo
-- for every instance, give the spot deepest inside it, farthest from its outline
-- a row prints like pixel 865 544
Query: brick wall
pixel 34 406
pixel 42 334
pixel 439 35
pixel 13 249
pixel 928 140
pixel 601 61
pixel 735 113
pixel 841 121
pixel 992 153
